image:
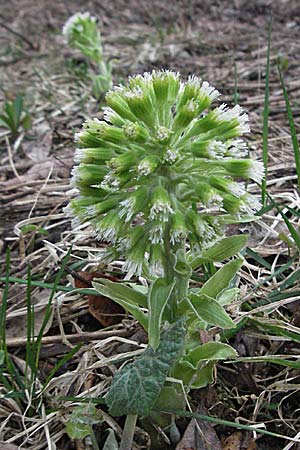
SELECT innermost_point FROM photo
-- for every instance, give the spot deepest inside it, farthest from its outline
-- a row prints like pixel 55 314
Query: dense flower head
pixel 81 31
pixel 78 24
pixel 162 166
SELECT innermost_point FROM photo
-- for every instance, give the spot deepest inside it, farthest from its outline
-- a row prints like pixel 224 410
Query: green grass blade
pixel 60 363
pixel 277 273
pixel 97 400
pixel 289 225
pixel 291 124
pixel 277 296
pixel 259 259
pixel 29 332
pixel 37 344
pixel 17 109
pixel 225 423
pixel 266 121
pixel 281 361
pixel 51 286
pixel 290 280
pixel 16 381
pixel 3 309
pixel 3 306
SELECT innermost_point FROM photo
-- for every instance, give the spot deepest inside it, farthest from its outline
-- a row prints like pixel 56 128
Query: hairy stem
pixel 128 433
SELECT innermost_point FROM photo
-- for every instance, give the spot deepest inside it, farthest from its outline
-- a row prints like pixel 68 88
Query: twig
pixel 10 158
pixel 16 33
pixel 78 337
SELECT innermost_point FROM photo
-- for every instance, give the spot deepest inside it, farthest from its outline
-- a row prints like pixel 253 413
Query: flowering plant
pixel 159 179
pixel 81 32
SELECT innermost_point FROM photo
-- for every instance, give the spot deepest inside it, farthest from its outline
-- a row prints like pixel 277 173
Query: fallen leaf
pixel 105 310
pixel 239 441
pixel 206 439
pixel 6 446
pixel 38 149
pixel 17 321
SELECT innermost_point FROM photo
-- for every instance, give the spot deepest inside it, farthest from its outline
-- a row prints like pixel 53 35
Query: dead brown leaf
pixel 239 441
pixel 38 149
pixel 6 446
pixel 16 322
pixel 205 439
pixel 102 308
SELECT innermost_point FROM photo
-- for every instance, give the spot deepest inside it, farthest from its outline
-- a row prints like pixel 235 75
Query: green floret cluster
pixel 162 168
pixel 80 31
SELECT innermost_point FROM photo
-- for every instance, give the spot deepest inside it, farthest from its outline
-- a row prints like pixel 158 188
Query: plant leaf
pixel 171 396
pixel 223 249
pixel 17 109
pixel 158 297
pixel 4 121
pixel 266 113
pixel 114 292
pixel 111 442
pixel 221 279
pixel 210 311
pixel 80 422
pixel 291 124
pixel 211 351
pixel 124 292
pixel 137 385
pixel 226 296
pixel 194 379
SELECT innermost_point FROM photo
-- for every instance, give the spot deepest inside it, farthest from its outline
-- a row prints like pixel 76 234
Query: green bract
pixel 162 169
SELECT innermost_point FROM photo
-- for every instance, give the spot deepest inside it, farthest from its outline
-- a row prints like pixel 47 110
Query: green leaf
pixel 117 293
pixel 223 249
pixel 195 368
pixel 27 122
pixel 221 279
pixel 80 422
pixel 181 266
pixel 8 108
pixel 32 227
pixel 137 385
pixel 212 351
pixel 183 273
pixel 288 223
pixel 194 379
pixel 111 442
pixel 158 297
pixel 227 296
pixel 4 121
pixel 203 376
pixel 171 396
pixel 266 121
pixel 124 292
pixel 210 311
pixel 17 108
pixel 291 124
pixel 271 359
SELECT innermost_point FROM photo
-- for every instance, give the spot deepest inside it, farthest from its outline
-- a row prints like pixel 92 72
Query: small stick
pixel 16 33
pixel 10 158
pixel 77 337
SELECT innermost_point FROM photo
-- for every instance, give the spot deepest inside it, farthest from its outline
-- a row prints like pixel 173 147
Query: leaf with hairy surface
pixel 137 385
